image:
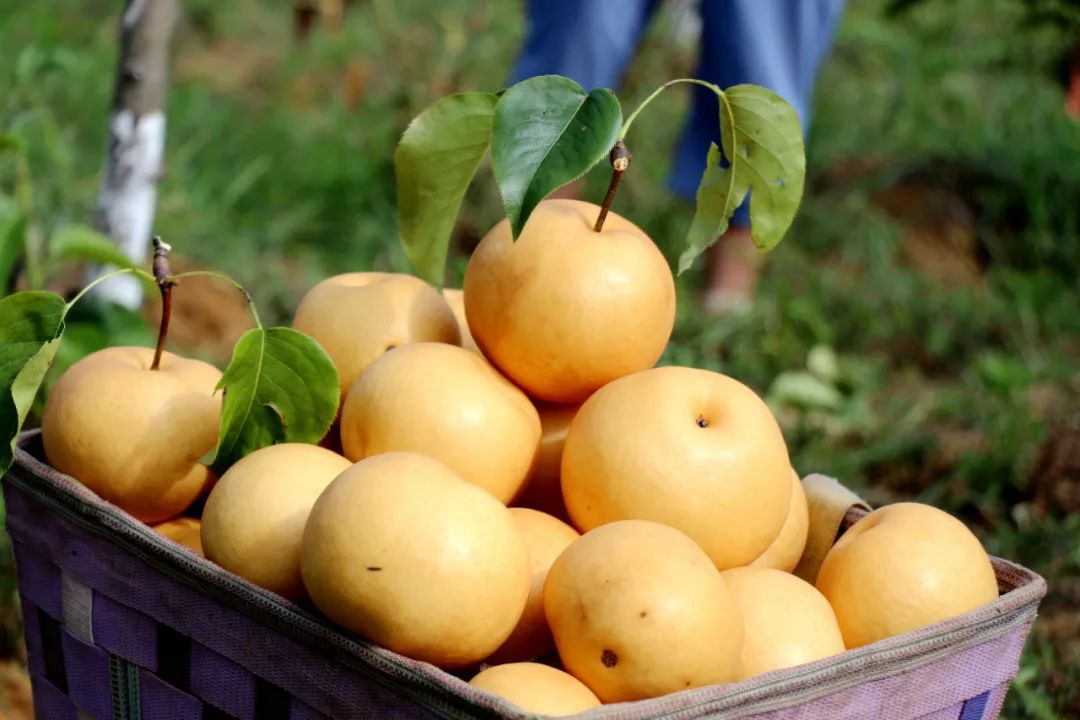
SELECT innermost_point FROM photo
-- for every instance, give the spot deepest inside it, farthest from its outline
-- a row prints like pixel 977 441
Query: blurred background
pixel 917 333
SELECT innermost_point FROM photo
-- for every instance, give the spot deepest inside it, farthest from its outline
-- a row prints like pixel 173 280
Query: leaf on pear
pixel 763 144
pixel 434 163
pixel 280 386
pixel 721 192
pixel 31 325
pixel 548 132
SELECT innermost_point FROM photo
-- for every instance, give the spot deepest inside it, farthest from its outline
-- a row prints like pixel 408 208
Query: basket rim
pixel 1022 590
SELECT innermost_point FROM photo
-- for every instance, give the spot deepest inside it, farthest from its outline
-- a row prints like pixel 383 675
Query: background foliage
pixel 918 332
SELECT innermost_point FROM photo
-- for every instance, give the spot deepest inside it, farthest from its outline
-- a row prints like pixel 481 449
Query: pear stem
pixel 620 160
pixel 165 281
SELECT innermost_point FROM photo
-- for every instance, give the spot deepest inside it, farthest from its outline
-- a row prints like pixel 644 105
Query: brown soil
pixel 939 232
pixel 1055 474
pixel 16 702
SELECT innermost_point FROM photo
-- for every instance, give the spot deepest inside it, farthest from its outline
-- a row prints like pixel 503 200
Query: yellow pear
pixel 787 549
pixel 544 491
pixel 545 538
pixel 133 435
pixel 356 317
pixel 537 688
pixel 406 553
pixel 254 518
pixel 456 300
pixel 902 567
pixel 446 402
pixel 563 310
pixel 638 611
pixel 689 448
pixel 788 622
pixel 184 530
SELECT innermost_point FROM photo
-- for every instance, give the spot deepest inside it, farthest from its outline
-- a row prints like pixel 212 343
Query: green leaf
pixel 547 133
pixel 763 144
pixel 12 244
pixel 9 144
pixel 280 386
pixel 822 362
pixel 79 242
pixel 1035 704
pixel 720 193
pixel 801 388
pixel 31 324
pixel 434 163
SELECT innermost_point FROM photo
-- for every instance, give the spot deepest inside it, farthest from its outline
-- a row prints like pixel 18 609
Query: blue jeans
pixel 778 44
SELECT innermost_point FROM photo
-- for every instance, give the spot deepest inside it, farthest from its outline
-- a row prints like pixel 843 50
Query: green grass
pixel 902 382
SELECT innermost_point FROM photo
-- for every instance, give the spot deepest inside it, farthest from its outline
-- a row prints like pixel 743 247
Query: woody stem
pixel 620 160
pixel 165 282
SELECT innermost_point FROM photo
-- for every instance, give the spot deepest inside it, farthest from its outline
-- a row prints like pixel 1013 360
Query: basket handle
pixel 828 503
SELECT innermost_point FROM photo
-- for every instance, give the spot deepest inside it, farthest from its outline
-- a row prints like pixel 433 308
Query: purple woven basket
pixel 123 623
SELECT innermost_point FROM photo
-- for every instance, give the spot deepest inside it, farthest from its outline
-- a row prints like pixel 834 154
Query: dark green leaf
pixel 9 144
pixel 280 386
pixel 31 324
pixel 547 133
pixel 79 242
pixel 434 163
pixel 12 244
pixel 763 144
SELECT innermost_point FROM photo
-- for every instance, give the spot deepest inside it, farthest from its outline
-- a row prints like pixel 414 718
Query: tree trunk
pixel 136 139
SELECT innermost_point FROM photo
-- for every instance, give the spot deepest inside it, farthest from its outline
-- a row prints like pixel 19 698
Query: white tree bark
pixel 136 141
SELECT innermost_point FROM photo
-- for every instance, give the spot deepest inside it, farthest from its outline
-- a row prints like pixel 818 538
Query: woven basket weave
pixel 123 623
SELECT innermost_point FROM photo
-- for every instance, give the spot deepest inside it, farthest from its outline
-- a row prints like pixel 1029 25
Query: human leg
pixel 588 41
pixel 778 44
